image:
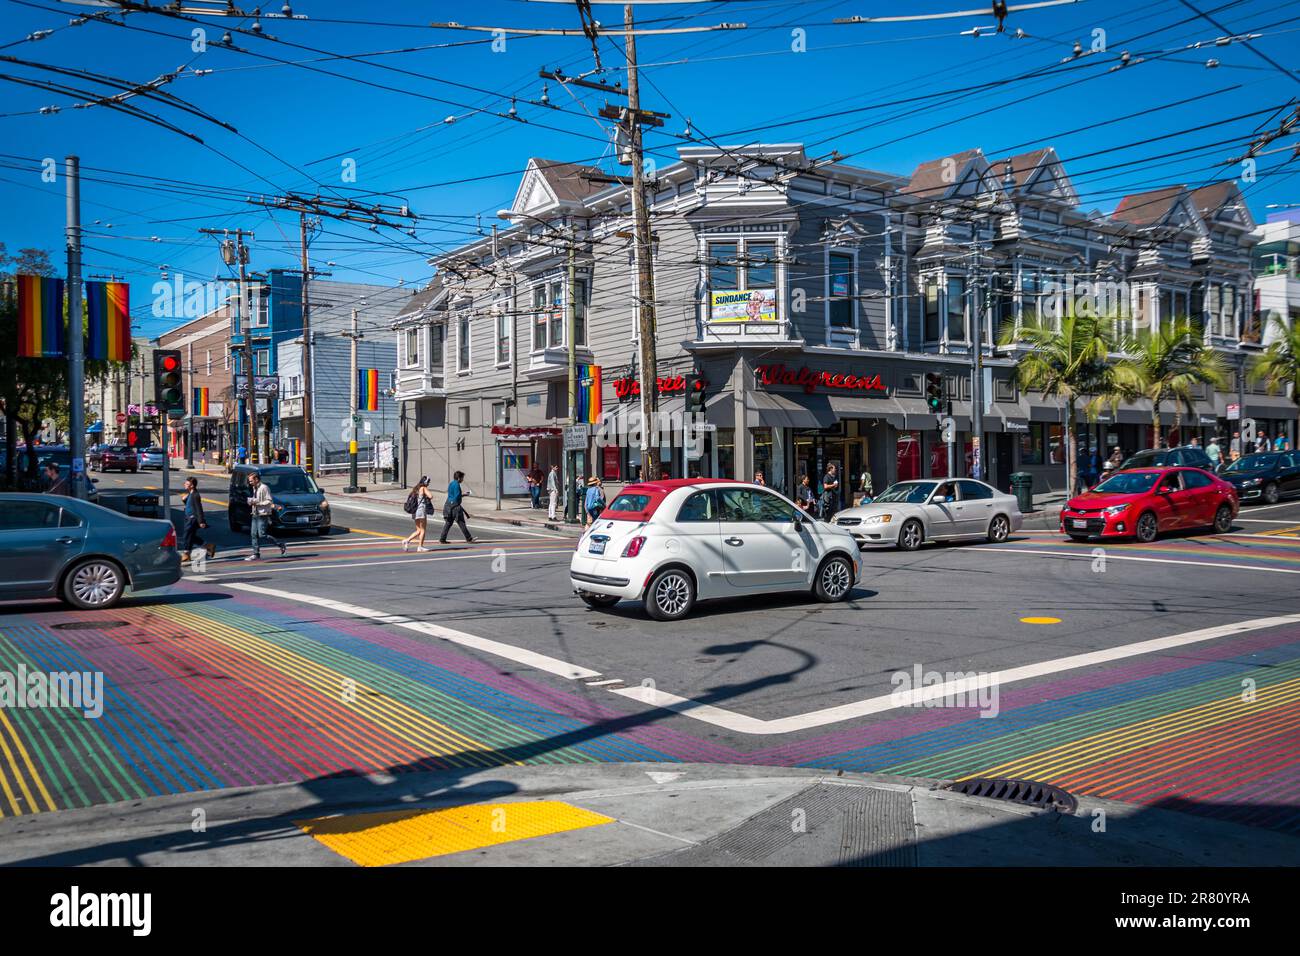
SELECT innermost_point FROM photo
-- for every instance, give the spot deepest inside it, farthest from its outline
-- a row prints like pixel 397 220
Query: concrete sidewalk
pixel 648 814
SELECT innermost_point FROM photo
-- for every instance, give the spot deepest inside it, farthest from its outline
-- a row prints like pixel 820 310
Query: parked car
pixel 87 555
pixel 153 457
pixel 1145 502
pixel 1266 477
pixel 909 513
pixel 673 542
pixel 300 505
pixel 1190 455
pixel 114 458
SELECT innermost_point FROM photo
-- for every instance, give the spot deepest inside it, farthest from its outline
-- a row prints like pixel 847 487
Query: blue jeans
pixel 535 491
pixel 257 526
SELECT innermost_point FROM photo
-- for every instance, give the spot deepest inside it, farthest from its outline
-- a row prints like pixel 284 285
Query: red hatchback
pixel 1143 502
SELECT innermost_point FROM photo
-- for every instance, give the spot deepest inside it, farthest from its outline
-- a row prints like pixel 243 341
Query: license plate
pixel 303 519
pixel 1079 523
pixel 597 547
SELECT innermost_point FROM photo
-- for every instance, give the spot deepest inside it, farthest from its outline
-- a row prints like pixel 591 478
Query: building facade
pixel 807 300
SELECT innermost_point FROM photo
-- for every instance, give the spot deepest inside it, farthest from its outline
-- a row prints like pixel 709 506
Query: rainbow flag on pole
pixel 588 409
pixel 40 317
pixel 368 389
pixel 200 405
pixel 108 321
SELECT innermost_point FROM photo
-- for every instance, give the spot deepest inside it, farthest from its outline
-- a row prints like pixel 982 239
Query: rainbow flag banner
pixel 200 405
pixel 588 409
pixel 40 317
pixel 368 389
pixel 108 321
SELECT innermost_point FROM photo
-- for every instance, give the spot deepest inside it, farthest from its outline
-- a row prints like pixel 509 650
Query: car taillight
pixel 169 539
pixel 633 547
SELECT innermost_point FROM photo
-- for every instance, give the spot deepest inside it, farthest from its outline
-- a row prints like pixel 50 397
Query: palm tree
pixel 1069 361
pixel 1279 366
pixel 1166 365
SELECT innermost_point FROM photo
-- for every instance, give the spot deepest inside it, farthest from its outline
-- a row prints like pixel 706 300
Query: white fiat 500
pixel 676 541
pixel 909 513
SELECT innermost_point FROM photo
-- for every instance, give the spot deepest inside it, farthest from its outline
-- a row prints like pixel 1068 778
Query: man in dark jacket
pixel 194 520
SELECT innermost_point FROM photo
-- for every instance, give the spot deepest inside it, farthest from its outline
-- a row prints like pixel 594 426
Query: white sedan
pixel 909 513
pixel 675 541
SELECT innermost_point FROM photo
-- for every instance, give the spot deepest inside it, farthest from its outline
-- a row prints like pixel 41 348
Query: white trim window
pixel 463 343
pixel 505 330
pixel 956 329
pixel 411 347
pixel 841 291
pixel 743 263
pixel 548 315
pixel 437 336
pixel 581 300
pixel 931 330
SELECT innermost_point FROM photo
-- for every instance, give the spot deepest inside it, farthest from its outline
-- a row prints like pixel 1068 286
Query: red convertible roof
pixel 655 492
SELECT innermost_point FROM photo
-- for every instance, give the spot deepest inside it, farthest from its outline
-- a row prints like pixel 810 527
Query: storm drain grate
pixel 1029 793
pixel 88 625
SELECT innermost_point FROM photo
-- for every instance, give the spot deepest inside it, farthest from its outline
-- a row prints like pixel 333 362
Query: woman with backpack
pixel 419 503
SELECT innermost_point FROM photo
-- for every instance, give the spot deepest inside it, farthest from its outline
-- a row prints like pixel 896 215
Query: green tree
pixel 1070 362
pixel 1279 366
pixel 1167 365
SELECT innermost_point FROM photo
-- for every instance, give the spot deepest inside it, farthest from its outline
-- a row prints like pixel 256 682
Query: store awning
pixel 524 433
pixel 772 410
pixel 95 429
pixel 859 406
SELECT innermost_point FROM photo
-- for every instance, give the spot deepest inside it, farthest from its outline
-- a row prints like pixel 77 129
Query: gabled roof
pixel 426 298
pixel 937 177
pixel 1150 207
pixel 547 184
pixel 1222 203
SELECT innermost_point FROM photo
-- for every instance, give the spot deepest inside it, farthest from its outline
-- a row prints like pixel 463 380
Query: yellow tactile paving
pixel 400 836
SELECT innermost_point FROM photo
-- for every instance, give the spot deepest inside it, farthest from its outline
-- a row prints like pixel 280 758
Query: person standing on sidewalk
pixel 453 509
pixel 423 502
pixel 194 521
pixel 552 491
pixel 595 501
pixel 830 491
pixel 535 486
pixel 259 506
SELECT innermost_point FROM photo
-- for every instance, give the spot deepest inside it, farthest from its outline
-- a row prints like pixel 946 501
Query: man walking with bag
pixel 453 511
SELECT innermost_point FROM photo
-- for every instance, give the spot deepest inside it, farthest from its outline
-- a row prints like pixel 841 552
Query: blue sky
pixel 865 90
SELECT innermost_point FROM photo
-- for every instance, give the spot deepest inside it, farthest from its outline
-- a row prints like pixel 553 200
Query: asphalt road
pixel 1153 674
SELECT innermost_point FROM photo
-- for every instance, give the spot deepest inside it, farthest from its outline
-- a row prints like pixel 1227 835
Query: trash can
pixel 1022 486
pixel 142 504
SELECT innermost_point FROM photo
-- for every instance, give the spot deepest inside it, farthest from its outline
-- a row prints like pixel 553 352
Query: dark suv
pixel 299 504
pixel 1191 456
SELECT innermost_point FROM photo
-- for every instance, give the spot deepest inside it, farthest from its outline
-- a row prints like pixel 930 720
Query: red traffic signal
pixel 137 437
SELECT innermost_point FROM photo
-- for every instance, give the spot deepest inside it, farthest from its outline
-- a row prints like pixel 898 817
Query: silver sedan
pixel 909 513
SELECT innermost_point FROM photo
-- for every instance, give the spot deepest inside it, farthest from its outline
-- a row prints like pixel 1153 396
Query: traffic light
pixel 695 395
pixel 137 439
pixel 934 391
pixel 168 394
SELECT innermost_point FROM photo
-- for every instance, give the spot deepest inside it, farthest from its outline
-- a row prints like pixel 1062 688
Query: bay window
pixel 956 310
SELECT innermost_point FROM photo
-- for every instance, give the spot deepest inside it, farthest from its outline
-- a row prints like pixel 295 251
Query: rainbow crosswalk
pixel 212 691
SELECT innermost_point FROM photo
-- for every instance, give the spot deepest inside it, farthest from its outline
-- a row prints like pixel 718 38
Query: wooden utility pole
pixel 650 464
pixel 348 211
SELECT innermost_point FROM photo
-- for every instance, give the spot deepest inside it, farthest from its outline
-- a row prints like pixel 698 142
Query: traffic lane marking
pixel 1113 556
pixel 519 655
pixel 409 559
pixel 743 724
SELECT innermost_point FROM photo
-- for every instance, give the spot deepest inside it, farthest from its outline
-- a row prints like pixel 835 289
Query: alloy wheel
pixel 999 529
pixel 672 594
pixel 1223 520
pixel 835 579
pixel 1147 528
pixel 96 583
pixel 910 536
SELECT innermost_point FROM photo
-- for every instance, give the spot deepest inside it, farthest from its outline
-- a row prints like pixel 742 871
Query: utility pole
pixel 189 388
pixel 76 335
pixel 644 260
pixel 236 254
pixel 978 305
pixel 353 414
pixel 571 512
pixel 345 210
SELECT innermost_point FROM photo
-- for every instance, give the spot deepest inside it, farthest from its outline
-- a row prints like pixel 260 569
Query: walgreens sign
pixel 812 379
pixel 629 387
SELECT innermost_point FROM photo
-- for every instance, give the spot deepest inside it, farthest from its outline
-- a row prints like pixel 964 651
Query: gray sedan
pixel 909 513
pixel 53 546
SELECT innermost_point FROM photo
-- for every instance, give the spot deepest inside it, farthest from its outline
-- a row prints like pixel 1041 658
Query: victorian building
pixel 807 300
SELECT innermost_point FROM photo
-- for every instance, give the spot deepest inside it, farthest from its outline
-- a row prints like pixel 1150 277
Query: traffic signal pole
pixel 76 335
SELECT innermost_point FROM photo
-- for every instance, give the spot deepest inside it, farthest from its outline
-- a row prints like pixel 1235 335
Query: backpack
pixel 412 502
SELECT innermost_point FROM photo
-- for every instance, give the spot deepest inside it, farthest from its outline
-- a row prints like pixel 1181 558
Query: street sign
pixel 1234 412
pixel 121 418
pixel 575 437
pixel 367 426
